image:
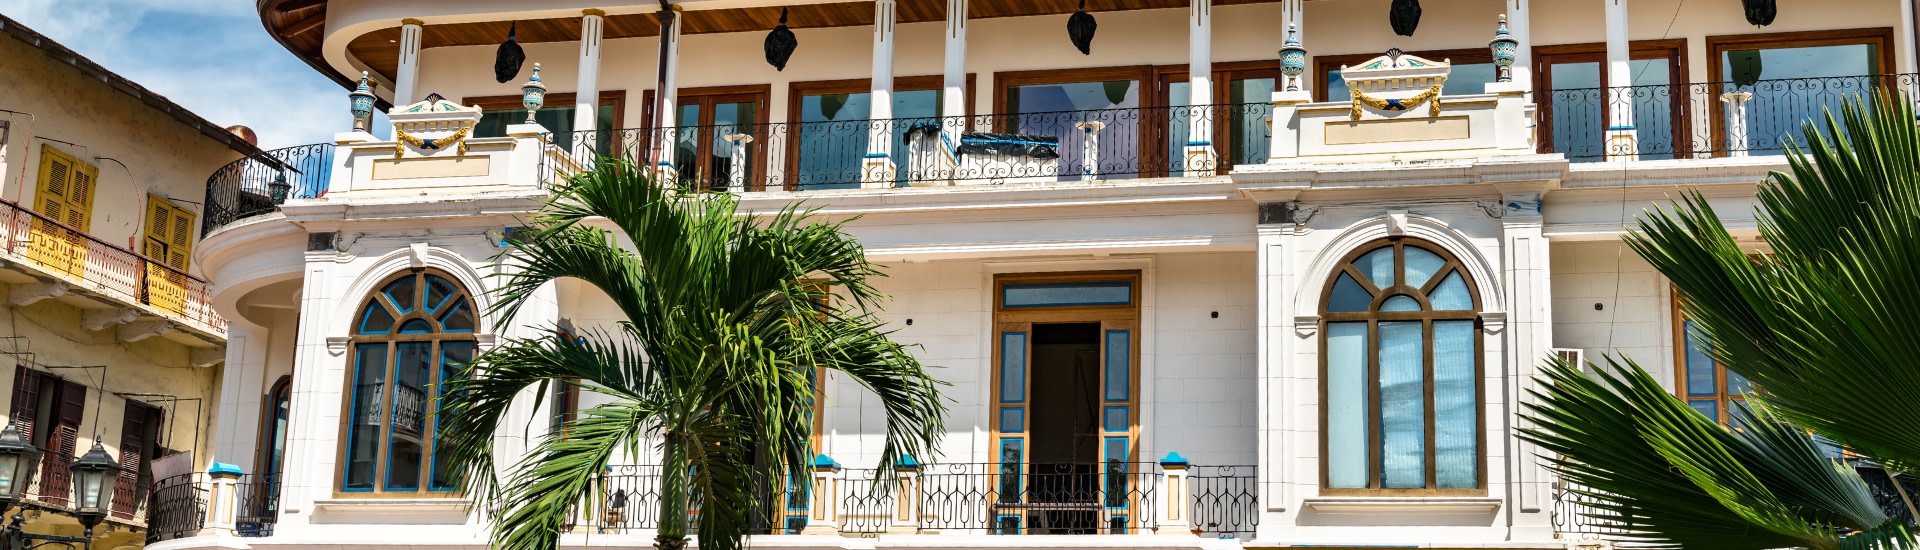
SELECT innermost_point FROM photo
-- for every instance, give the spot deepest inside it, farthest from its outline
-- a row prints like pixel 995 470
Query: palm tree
pixel 1823 326
pixel 727 319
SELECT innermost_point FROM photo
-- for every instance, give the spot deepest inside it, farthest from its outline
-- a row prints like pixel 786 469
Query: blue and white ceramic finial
pixel 535 94
pixel 1293 59
pixel 360 103
pixel 1505 50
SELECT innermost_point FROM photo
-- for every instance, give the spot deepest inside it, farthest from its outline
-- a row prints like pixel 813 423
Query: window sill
pixel 409 504
pixel 1375 505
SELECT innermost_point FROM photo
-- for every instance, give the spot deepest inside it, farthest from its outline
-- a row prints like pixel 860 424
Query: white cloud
pixel 211 56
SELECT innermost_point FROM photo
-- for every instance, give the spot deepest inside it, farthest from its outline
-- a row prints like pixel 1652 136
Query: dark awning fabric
pixel 1038 147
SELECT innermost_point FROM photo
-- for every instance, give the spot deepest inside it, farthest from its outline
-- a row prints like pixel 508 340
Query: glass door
pixel 702 139
pixel 1241 107
pixel 834 128
pixel 1578 109
pixel 1048 124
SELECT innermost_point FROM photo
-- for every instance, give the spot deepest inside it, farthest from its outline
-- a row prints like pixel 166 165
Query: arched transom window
pixel 412 335
pixel 1401 374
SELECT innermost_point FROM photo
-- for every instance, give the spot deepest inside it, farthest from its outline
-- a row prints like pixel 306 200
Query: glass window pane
pixel 1456 413
pixel 1116 420
pixel 375 320
pixel 1577 109
pixel 1347 410
pixel 438 290
pixel 1349 296
pixel 1119 374
pixel 1378 267
pixel 1699 364
pixel 1653 105
pixel 1116 455
pixel 1736 384
pixel 454 356
pixel 1010 459
pixel 1068 294
pixel 1057 109
pixel 363 429
pixel 1013 367
pixel 1452 294
pixel 412 364
pixel 1706 407
pixel 1179 125
pixel 457 319
pixel 1469 78
pixel 1013 420
pixel 1400 302
pixel 1421 266
pixel 1251 100
pixel 416 326
pixel 401 292
pixel 1403 406
pixel 833 136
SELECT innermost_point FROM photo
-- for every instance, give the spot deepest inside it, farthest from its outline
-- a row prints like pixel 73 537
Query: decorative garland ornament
pixel 458 139
pixel 1431 97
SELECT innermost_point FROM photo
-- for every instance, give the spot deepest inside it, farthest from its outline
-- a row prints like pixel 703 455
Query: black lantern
pixel 780 44
pixel 507 60
pixel 279 189
pixel 19 461
pixel 94 479
pixel 1405 16
pixel 1080 28
pixel 1760 12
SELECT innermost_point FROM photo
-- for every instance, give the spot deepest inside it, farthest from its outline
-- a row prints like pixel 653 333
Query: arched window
pixel 1400 374
pixel 273 427
pixel 410 337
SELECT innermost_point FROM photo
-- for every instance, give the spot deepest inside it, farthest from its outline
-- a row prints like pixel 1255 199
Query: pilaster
pixel 1529 338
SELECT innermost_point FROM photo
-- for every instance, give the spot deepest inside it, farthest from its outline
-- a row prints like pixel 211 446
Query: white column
pixel 1529 339
pixel 1736 122
pixel 1620 133
pixel 1518 16
pixel 1294 12
pixel 878 167
pixel 669 94
pixel 953 103
pixel 1200 152
pixel 407 77
pixel 586 97
pixel 237 428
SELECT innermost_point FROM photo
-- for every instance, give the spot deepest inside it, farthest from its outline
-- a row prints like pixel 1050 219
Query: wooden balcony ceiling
pixel 298 24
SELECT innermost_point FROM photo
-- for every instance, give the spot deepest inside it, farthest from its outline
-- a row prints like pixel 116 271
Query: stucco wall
pixel 1635 317
pixel 153 153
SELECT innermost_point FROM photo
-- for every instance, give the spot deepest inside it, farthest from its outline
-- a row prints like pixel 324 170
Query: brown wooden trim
pixel 1722 399
pixel 616 98
pixel 429 414
pixel 1427 319
pixel 263 453
pixel 1882 37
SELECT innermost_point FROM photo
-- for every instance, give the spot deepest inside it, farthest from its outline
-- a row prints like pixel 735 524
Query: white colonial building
pixel 1186 294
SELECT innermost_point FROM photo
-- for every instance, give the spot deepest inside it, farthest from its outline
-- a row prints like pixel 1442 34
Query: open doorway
pixel 1063 464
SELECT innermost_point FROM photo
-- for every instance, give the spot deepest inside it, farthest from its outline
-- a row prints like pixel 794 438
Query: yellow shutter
pixel 63 193
pixel 169 241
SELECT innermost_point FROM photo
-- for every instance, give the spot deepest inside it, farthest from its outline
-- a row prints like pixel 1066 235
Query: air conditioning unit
pixel 1575 356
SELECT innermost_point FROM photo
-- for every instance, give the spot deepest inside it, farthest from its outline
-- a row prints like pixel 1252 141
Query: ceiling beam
pixel 297 5
pixel 304 26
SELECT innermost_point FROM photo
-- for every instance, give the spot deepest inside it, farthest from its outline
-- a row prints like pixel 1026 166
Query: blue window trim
pixel 1004 398
pixel 1106 365
pixel 433 456
pixel 1095 284
pixel 367 315
pixel 347 466
pixel 392 411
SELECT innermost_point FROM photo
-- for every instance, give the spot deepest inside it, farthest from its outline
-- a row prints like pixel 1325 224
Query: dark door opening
pixel 1064 462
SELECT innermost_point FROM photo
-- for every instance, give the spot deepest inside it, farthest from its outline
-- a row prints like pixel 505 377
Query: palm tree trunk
pixel 674 520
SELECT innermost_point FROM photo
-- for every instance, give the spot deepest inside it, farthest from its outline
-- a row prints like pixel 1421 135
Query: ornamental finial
pixel 360 104
pixel 534 94
pixel 1293 59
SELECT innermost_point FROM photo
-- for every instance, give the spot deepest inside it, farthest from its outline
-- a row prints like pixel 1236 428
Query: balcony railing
pixel 1691 121
pixel 180 506
pixel 252 186
pixel 59 248
pixel 1028 147
pixel 964 498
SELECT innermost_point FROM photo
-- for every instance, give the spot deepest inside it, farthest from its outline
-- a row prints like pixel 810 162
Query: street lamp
pixel 93 484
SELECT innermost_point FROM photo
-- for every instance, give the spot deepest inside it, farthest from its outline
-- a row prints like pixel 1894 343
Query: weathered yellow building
pixel 104 317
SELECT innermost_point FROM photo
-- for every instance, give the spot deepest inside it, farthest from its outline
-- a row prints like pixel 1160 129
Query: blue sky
pixel 211 56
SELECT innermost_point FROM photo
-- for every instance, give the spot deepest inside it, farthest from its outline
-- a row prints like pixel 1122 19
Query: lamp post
pixel 94 479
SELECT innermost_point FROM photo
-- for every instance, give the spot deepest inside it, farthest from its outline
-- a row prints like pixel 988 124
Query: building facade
pixel 111 338
pixel 1242 273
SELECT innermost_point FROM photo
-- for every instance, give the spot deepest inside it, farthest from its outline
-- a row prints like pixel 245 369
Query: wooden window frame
pixel 1881 37
pixel 1722 399
pixel 263 457
pixel 1678 74
pixel 760 94
pixel 429 415
pixel 1427 316
pixel 1224 73
pixel 1323 64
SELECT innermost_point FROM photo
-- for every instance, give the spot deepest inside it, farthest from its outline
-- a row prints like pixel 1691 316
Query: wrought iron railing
pixel 1026 147
pixel 1226 500
pixel 962 498
pixel 1691 121
pixel 178 508
pixel 256 505
pixel 62 249
pixel 1040 498
pixel 258 184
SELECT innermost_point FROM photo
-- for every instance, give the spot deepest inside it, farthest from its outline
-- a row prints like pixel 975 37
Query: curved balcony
pixel 259 184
